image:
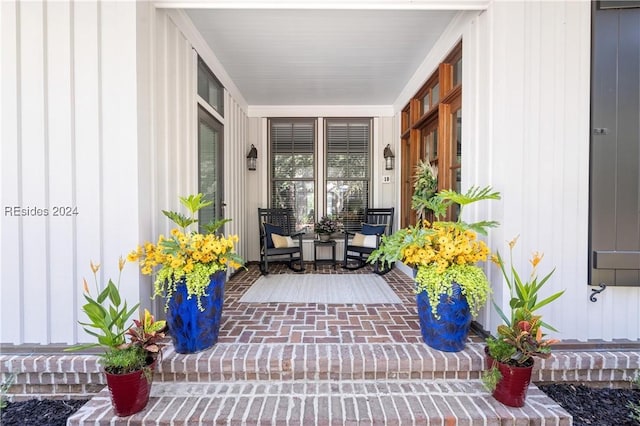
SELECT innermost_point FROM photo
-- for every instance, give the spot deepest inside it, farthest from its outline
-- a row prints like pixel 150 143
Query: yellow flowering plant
pixel 444 252
pixel 187 257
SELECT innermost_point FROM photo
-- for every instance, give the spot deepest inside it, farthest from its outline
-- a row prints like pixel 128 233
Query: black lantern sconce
pixel 388 158
pixel 252 158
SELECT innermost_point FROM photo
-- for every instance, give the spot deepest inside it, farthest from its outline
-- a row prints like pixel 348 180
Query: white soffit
pixel 279 56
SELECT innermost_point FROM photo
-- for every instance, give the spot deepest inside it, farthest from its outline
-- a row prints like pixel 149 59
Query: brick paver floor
pixel 316 322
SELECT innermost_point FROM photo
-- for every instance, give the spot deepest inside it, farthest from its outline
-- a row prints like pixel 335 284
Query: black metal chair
pixel 283 223
pixel 358 245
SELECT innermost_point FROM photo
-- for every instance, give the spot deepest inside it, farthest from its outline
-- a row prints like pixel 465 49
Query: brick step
pixel 364 361
pixel 325 402
pixel 71 375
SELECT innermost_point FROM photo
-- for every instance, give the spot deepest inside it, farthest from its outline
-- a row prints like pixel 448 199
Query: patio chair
pixel 278 239
pixel 358 245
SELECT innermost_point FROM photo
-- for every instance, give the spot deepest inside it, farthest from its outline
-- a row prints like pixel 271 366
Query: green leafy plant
pixel 4 388
pixel 491 377
pixel 425 187
pixel 109 323
pixel 444 252
pixel 147 333
pixel 124 360
pixel 108 313
pixel 187 257
pixel 524 294
pixel 326 225
pixel 521 337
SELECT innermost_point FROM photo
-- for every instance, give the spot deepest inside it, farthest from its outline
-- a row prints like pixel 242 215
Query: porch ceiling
pixel 320 57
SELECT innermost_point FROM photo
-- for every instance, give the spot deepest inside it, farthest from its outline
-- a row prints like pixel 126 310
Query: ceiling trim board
pixel 320 111
pixel 327 4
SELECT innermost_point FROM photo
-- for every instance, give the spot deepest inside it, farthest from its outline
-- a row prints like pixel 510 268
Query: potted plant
pixel 510 355
pixel 325 227
pixel 128 367
pixel 450 287
pixel 425 187
pixel 190 272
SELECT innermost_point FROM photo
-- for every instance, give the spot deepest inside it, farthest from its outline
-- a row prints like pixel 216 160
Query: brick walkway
pixel 319 323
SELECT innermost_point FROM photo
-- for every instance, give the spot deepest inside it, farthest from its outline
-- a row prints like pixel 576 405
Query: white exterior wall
pixel 68 139
pixel 533 117
pixel 526 96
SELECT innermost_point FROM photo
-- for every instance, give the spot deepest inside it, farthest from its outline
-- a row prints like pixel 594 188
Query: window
pixel 432 131
pixel 296 182
pixel 210 144
pixel 209 88
pixel 347 169
pixel 210 175
pixel 292 165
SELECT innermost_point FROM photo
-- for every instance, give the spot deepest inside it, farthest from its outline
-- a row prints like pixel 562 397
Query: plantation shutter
pixel 348 169
pixel 293 167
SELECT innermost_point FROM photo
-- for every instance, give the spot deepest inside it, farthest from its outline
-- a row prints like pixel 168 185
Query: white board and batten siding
pixel 68 141
pixel 537 61
pixel 528 135
pixel 91 123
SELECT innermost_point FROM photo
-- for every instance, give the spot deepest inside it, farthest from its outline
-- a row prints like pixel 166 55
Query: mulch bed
pixel 47 412
pixel 588 406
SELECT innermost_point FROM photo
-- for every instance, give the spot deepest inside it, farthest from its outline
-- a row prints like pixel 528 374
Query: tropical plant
pixel 326 225
pixel 109 323
pixel 520 338
pixel 425 187
pixel 523 294
pixel 187 257
pixel 108 313
pixel 147 333
pixel 444 252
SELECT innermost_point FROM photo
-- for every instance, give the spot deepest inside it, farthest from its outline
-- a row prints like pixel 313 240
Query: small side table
pixel 316 260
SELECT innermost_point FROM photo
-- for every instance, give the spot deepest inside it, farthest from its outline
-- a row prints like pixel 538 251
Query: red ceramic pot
pixel 511 390
pixel 129 392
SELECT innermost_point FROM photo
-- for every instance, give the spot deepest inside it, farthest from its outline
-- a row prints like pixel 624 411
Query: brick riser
pixel 79 376
pixel 394 402
pixel 410 383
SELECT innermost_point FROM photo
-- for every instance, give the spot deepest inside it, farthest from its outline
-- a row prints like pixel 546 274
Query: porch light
pixel 252 158
pixel 388 158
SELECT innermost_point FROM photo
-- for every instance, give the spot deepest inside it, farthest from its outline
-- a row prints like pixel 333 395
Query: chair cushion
pixel 280 241
pixel 362 240
pixel 270 229
pixel 372 229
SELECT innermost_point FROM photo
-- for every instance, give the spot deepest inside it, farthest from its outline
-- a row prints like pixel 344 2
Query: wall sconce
pixel 388 158
pixel 252 158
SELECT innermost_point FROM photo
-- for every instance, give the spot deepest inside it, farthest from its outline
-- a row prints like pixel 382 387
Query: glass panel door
pixel 210 166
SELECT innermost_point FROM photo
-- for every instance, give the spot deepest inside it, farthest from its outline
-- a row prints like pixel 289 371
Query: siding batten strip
pixel 100 138
pixel 47 172
pixel 74 170
pixel 19 106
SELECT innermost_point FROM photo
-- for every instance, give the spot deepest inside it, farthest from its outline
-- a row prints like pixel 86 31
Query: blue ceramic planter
pixel 193 330
pixel 449 333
